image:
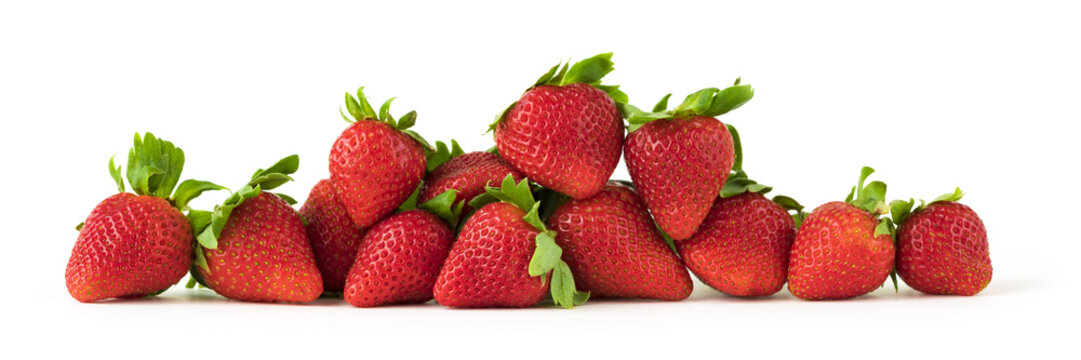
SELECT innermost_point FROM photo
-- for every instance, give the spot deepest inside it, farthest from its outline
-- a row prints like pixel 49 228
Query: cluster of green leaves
pixel 442 153
pixel 901 209
pixel 361 109
pixel 710 102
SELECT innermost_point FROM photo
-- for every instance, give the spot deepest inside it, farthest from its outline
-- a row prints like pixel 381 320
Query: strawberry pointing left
pixel 136 245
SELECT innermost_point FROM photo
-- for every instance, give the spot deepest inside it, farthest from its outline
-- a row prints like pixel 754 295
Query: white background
pixel 980 95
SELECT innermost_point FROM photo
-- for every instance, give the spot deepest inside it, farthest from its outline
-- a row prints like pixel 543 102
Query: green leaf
pixel 590 70
pixel 479 201
pixel 737 146
pixel 956 195
pixel 442 154
pixel 270 181
pixel 667 239
pixel 900 209
pixel 518 194
pixel 208 238
pixel 613 91
pixel 445 207
pixel 791 204
pixel 545 256
pixel 637 116
pixel 276 174
pixel 353 106
pixel 346 118
pixel 872 197
pixel 851 195
pixel 563 289
pixel 663 104
pixel 80 226
pixel 729 99
pixel 365 107
pixel 288 199
pixel 114 171
pixel 411 202
pixel 533 217
pixel 200 261
pixel 549 200
pixel 548 76
pixel 154 166
pixel 199 220
pixel 191 282
pixel 893 277
pixel 499 118
pixel 408 120
pixel 696 103
pixel 384 111
pixel 884 227
pixel 190 189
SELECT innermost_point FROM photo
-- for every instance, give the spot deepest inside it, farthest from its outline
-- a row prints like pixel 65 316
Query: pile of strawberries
pixel 402 221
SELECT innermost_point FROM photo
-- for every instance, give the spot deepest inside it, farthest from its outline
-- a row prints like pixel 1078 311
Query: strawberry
pixel 376 163
pixel 505 256
pixel 742 246
pixel 566 131
pixel 402 254
pixel 610 243
pixel 468 173
pixel 680 159
pixel 135 245
pixel 842 249
pixel 941 246
pixel 253 247
pixel 333 235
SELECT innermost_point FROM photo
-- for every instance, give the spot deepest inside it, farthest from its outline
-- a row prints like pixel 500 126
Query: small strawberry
pixel 253 247
pixel 941 246
pixel 134 245
pixel 402 254
pixel 468 173
pixel 333 235
pixel 842 249
pixel 610 243
pixel 566 131
pixel 742 246
pixel 376 163
pixel 504 255
pixel 679 159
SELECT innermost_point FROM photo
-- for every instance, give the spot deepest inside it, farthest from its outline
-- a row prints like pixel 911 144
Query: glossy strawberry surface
pixel 837 256
pixel 469 174
pixel 333 236
pixel 399 260
pixel 943 250
pixel 374 168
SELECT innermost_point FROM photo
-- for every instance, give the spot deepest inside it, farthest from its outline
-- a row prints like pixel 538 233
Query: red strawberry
pixel 679 159
pixel 469 174
pixel 254 246
pixel 610 243
pixel 134 245
pixel 376 163
pixel 566 131
pixel 842 249
pixel 400 257
pixel 942 247
pixel 333 235
pixel 503 256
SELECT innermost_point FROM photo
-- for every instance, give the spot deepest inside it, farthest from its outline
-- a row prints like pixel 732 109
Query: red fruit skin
pixel 263 255
pixel 469 174
pixel 399 260
pixel 333 236
pixel 836 255
pixel 566 138
pixel 610 244
pixel 374 168
pixel 742 247
pixel 488 266
pixel 679 166
pixel 129 246
pixel 942 250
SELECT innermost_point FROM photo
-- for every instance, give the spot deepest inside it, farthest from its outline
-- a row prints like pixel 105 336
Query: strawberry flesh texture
pixel 610 244
pixel 129 246
pixel 566 138
pixel 374 169
pixel 469 174
pixel 263 255
pixel 679 166
pixel 942 250
pixel 399 260
pixel 333 236
pixel 488 265
pixel 836 255
pixel 742 247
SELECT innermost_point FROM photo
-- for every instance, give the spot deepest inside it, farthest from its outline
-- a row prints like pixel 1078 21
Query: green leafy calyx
pixel 361 109
pixel 441 154
pixel 900 209
pixel 446 207
pixel 710 102
pixel 871 198
pixel 154 167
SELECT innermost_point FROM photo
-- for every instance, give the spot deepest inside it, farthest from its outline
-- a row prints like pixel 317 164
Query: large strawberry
pixel 253 247
pixel 504 254
pixel 941 246
pixel 468 173
pixel 843 249
pixel 742 246
pixel 376 163
pixel 134 245
pixel 402 254
pixel 679 159
pixel 333 235
pixel 610 243
pixel 566 131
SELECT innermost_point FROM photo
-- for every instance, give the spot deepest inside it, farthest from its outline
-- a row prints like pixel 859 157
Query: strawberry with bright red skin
pixel 469 174
pixel 566 132
pixel 135 245
pixel 610 243
pixel 376 163
pixel 679 160
pixel 333 235
pixel 942 247
pixel 843 249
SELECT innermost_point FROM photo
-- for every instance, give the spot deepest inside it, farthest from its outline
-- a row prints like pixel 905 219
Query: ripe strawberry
pixel 566 131
pixel 376 163
pixel 610 243
pixel 134 245
pixel 468 173
pixel 942 246
pixel 401 255
pixel 333 235
pixel 842 249
pixel 254 247
pixel 504 255
pixel 742 246
pixel 679 159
